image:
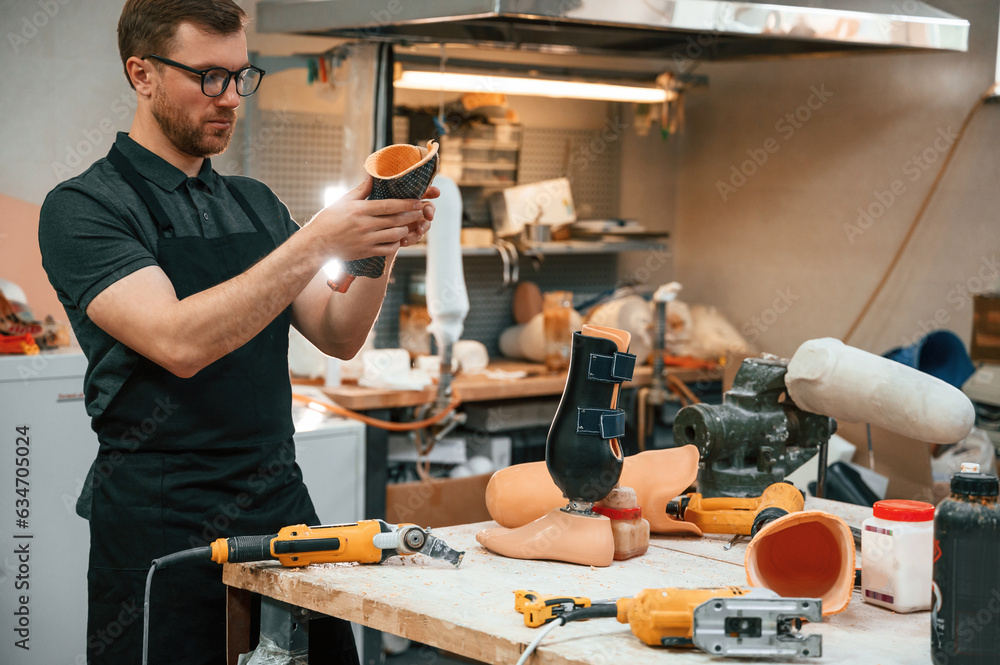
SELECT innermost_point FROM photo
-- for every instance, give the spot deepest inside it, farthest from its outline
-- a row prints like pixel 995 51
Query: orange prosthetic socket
pixel 522 493
pixel 804 555
pixel 559 536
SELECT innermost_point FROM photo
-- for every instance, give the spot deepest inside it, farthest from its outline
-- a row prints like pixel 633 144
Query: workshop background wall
pixel 60 112
pixel 20 258
pixel 64 91
pixel 785 252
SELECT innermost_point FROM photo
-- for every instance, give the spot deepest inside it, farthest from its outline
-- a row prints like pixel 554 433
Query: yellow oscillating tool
pixel 367 541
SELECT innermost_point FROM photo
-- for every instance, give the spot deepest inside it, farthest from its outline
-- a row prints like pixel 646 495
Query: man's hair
pixel 149 26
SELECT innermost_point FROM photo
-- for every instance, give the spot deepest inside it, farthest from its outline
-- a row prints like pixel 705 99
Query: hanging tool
pixel 511 263
pixel 726 621
pixel 367 541
pixel 743 517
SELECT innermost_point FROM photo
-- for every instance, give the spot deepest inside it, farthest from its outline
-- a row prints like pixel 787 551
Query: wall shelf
pixel 556 247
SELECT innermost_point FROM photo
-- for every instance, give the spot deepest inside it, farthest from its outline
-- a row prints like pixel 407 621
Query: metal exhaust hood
pixel 655 29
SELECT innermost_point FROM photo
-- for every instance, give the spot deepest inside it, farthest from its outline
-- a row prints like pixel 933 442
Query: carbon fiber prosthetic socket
pixel 400 171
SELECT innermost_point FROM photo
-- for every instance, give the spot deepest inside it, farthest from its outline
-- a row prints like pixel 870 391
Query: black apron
pixel 185 461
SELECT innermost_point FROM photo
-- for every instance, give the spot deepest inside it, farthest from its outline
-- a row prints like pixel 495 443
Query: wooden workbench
pixel 470 610
pixel 480 388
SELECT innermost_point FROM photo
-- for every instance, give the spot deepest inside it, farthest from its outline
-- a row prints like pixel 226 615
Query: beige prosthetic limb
pixel 565 534
pixel 828 377
pixel 522 493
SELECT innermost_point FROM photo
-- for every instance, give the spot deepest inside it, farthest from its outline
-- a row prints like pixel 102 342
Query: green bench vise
pixel 757 436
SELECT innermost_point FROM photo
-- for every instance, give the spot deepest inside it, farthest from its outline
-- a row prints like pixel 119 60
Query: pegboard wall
pixel 299 157
pixel 590 158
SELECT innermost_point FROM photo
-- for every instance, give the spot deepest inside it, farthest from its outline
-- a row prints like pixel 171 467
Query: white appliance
pixel 331 454
pixel 44 394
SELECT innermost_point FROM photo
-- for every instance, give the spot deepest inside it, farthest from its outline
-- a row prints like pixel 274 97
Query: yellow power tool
pixel 367 541
pixel 737 516
pixel 539 609
pixel 725 621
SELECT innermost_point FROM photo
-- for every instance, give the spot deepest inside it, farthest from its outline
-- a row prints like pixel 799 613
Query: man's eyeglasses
pixel 215 80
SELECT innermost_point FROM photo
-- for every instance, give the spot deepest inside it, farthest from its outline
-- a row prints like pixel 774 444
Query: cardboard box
pixel 548 202
pixel 985 328
pixel 905 461
pixel 439 502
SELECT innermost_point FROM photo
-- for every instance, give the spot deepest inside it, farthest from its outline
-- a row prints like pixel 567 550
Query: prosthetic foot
pixel 583 457
pixel 522 493
pixel 400 171
pixel 561 535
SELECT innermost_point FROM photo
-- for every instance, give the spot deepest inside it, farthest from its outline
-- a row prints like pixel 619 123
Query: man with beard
pixel 180 285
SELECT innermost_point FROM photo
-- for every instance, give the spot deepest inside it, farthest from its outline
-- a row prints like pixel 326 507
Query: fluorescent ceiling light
pixel 486 83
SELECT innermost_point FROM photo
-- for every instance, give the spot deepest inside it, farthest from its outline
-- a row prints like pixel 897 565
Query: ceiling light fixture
pixel 448 82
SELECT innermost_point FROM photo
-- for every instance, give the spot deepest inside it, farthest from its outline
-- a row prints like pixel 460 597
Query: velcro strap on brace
pixel 605 423
pixel 611 369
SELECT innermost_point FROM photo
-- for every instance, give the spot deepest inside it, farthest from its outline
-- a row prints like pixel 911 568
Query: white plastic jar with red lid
pixel 897 552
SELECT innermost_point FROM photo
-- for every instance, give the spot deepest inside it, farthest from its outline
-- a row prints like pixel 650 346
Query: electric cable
pixel 593 612
pixel 920 214
pixel 162 562
pixel 384 424
pixel 541 636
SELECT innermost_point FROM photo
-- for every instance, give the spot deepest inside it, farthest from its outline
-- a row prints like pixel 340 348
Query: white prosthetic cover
pixel 447 298
pixel 826 376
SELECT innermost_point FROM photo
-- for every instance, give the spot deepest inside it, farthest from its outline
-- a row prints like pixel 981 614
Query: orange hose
pixel 383 424
pixel 679 387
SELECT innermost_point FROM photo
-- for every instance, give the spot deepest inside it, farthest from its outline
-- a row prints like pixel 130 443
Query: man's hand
pixel 338 324
pixel 417 231
pixel 355 228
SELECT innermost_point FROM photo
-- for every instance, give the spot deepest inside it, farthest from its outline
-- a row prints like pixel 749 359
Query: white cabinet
pixel 331 454
pixel 44 394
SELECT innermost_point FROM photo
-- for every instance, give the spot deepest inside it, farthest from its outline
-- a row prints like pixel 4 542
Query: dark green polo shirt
pixel 94 229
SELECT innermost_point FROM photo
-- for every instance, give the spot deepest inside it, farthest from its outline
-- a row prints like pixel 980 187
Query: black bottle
pixel 965 608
